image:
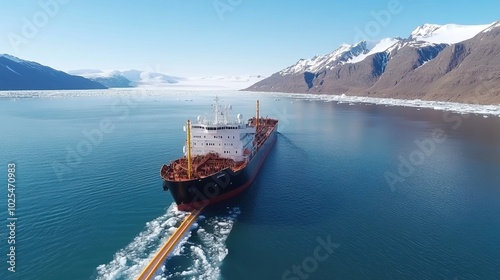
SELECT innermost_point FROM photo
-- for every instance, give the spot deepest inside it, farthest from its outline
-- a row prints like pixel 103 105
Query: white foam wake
pixel 210 249
pixel 206 253
pixel 128 262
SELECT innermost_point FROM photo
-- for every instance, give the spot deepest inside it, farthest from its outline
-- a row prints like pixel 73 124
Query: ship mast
pixel 188 140
pixel 257 119
pixel 216 110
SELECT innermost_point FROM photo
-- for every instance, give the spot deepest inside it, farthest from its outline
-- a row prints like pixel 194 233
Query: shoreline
pixel 462 108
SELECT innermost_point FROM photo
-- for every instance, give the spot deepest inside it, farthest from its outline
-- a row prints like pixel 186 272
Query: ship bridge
pixel 229 139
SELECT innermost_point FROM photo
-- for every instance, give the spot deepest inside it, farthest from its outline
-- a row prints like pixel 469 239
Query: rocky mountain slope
pixel 449 63
pixel 18 74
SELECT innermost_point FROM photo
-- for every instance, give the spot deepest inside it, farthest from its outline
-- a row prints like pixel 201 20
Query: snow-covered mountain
pixel 430 33
pixel 127 78
pixel 376 47
pixel 217 82
pixel 378 67
pixel 446 34
pixel 147 79
pixel 19 74
pixel 339 56
pixel 493 26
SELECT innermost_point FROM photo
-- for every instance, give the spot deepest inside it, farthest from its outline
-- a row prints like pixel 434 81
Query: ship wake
pixel 198 255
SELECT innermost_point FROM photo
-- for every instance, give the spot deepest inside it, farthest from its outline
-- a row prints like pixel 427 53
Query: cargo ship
pixel 221 158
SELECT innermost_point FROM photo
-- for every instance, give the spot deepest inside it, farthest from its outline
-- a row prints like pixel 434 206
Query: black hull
pixel 199 193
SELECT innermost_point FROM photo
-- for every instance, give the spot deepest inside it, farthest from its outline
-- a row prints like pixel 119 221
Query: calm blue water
pixel 100 213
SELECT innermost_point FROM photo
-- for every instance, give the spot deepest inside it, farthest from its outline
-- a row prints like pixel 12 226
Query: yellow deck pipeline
pixel 159 258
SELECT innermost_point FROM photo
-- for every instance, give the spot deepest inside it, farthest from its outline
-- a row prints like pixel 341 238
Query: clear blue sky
pixel 190 38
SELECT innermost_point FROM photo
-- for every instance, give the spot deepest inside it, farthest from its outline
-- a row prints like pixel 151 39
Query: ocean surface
pixel 350 191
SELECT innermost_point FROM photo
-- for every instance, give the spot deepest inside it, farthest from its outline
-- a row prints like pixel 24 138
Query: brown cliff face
pixel 467 72
pixel 351 77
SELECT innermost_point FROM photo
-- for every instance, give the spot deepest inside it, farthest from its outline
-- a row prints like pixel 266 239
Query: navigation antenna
pixel 216 110
pixel 188 140
pixel 257 119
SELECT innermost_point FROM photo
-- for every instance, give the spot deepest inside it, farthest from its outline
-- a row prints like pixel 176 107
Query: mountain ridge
pixel 147 79
pixel 19 74
pixel 422 66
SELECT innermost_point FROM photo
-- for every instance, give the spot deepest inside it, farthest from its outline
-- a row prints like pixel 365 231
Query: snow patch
pixel 13 58
pixel 218 82
pixel 320 62
pixel 446 34
pixel 380 46
pixel 154 80
pixel 12 70
pixel 493 26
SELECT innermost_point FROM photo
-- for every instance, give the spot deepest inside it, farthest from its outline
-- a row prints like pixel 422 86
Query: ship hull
pixel 221 186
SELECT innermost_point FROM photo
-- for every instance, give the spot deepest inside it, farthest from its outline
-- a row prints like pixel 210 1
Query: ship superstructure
pixel 221 157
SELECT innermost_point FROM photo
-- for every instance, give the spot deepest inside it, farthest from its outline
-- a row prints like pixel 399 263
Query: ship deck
pixel 212 163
